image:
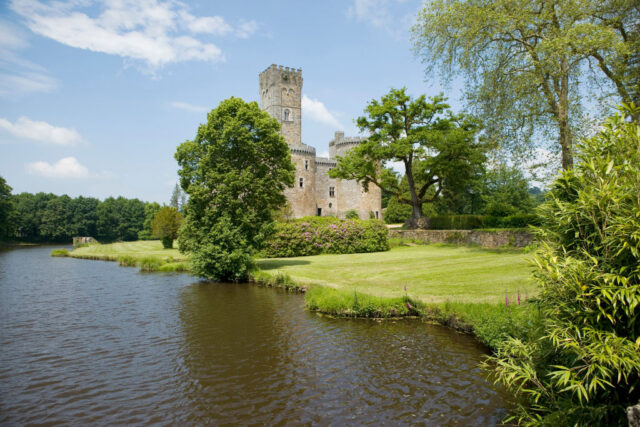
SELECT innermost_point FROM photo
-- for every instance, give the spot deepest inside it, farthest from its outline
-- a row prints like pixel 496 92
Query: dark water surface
pixel 89 342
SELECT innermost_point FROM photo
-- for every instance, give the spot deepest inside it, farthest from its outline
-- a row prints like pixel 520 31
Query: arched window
pixel 286 115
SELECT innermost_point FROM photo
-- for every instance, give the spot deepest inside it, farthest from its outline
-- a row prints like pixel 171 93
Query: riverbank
pixel 483 292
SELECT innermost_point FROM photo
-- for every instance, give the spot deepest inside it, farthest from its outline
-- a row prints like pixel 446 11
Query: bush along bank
pixel 325 235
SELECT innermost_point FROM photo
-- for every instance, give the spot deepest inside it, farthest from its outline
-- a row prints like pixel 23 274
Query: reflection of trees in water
pixel 253 354
pixel 235 348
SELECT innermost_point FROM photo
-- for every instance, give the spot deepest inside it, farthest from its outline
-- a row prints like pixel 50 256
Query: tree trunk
pixel 566 139
pixel 416 220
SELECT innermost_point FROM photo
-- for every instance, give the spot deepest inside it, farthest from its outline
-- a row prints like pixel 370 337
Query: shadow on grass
pixel 273 264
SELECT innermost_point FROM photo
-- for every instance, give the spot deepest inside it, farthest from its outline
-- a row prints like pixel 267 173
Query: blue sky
pixel 95 96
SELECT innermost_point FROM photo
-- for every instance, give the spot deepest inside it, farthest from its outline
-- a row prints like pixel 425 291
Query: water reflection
pixel 253 355
pixel 92 343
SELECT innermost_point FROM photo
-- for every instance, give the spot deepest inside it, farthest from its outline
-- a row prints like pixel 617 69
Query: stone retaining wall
pixel 486 239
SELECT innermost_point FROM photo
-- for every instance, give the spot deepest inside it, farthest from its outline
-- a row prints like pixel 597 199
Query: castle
pixel 314 192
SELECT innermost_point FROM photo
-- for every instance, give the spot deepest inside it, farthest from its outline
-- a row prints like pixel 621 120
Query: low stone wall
pixel 486 239
pixel 83 241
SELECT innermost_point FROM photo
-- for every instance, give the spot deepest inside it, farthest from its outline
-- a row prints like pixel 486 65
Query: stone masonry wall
pixel 486 239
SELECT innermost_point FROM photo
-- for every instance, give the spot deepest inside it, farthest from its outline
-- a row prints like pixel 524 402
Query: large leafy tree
pixel 437 149
pixel 523 60
pixel 235 172
pixel 506 192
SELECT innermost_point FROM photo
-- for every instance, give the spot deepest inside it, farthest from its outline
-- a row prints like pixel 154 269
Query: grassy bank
pixel 462 287
pixel 431 273
pixel 148 255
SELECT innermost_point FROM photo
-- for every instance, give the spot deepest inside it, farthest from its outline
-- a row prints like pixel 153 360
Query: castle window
pixel 286 115
pixel 306 165
pixel 330 205
pixel 332 192
pixel 377 217
pixel 301 182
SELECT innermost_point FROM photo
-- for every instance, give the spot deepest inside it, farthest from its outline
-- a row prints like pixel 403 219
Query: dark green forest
pixel 46 217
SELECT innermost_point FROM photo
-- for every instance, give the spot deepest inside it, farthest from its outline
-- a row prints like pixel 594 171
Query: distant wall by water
pixel 486 239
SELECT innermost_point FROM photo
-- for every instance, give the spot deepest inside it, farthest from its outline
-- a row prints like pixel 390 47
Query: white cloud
pixel 316 111
pixel 18 75
pixel 25 82
pixel 153 32
pixel 208 25
pixel 383 14
pixel 246 29
pixel 40 131
pixel 188 107
pixel 67 167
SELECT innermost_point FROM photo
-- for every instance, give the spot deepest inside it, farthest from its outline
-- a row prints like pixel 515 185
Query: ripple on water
pixel 90 342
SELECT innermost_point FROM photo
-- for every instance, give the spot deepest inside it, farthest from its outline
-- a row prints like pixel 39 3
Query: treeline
pixel 494 198
pixel 46 217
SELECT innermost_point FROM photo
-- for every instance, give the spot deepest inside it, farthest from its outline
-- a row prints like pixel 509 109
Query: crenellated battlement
pixel 324 161
pixel 274 67
pixel 349 140
pixel 305 150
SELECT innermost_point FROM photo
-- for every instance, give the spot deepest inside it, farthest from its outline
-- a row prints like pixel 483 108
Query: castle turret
pixel 281 97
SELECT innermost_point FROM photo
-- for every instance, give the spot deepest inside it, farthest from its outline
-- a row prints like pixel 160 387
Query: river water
pixel 89 342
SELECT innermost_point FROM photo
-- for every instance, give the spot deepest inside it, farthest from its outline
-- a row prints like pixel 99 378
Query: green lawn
pixel 432 273
pixel 139 249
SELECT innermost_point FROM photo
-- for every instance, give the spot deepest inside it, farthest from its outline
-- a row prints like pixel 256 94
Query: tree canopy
pixel 165 225
pixel 437 149
pixel 235 172
pixel 524 60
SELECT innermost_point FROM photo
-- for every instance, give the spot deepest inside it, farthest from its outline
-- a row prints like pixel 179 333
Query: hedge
pixel 471 222
pixel 325 235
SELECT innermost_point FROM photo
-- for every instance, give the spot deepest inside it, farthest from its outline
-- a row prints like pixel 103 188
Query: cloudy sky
pixel 96 95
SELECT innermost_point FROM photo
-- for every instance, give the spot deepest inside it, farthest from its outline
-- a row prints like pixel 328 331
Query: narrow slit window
pixel 306 165
pixel 301 182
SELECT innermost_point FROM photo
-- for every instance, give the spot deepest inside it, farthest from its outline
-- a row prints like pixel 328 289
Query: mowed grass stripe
pixel 431 273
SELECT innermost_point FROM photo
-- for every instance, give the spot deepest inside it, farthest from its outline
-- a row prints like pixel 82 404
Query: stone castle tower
pixel 314 192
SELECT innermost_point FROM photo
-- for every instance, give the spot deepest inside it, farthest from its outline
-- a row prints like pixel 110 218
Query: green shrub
pixel 304 237
pixel 150 263
pixel 352 214
pixel 472 222
pixel 127 261
pixel 171 267
pixel 145 235
pixel 456 222
pixel 345 303
pixel 584 369
pixel 60 252
pixel 396 212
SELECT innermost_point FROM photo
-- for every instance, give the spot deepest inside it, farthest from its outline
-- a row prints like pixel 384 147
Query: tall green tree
pixel 524 60
pixel 235 172
pixel 437 149
pixel 57 220
pixel 120 219
pixel 166 224
pixel 6 210
pixel 506 192
pixel 150 211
